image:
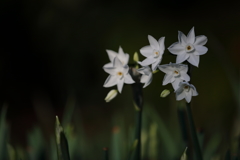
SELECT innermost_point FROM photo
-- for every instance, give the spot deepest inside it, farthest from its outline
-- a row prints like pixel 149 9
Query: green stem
pixel 138 134
pixel 138 102
pixel 192 127
pixel 105 150
pixel 193 133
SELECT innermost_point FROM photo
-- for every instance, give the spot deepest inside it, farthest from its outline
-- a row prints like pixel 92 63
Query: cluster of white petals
pixel 175 73
pixel 185 90
pixel 146 75
pixel 118 69
pixel 189 48
pixel 153 52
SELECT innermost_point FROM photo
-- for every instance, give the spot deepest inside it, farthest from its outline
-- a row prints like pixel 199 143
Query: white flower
pixel 146 75
pixel 153 52
pixel 118 75
pixel 175 73
pixel 186 91
pixel 123 57
pixel 112 94
pixel 189 48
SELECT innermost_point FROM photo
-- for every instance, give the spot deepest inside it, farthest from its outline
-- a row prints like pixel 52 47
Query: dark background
pixel 52 50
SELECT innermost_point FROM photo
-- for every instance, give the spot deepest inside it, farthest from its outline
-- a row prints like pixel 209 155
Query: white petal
pixel 111 71
pixel 180 96
pixel 153 42
pixel 165 69
pixel 194 92
pixel 144 78
pixel 111 54
pixel 188 96
pixel 147 61
pixel 141 70
pixel 191 36
pixel 156 63
pixel 125 69
pixel 182 38
pixel 110 81
pixel 179 90
pixel 201 40
pixel 167 79
pixel 161 44
pixel 120 84
pixel 146 51
pixel 183 68
pixel 176 83
pixel 175 48
pixel 194 60
pixel 120 51
pixel 148 81
pixel 128 79
pixel 185 77
pixel 145 70
pixel 117 63
pixel 181 57
pixel 124 59
pixel 108 65
pixel 200 50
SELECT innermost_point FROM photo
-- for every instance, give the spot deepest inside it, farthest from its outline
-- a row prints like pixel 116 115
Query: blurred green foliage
pixel 159 141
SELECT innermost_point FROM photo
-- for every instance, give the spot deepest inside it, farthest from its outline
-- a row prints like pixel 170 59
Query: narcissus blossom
pixel 189 48
pixel 175 73
pixel 123 57
pixel 118 75
pixel 186 91
pixel 153 52
pixel 146 75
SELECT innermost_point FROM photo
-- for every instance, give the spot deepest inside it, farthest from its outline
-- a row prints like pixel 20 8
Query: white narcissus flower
pixel 146 75
pixel 153 52
pixel 123 57
pixel 186 91
pixel 175 73
pixel 118 75
pixel 189 48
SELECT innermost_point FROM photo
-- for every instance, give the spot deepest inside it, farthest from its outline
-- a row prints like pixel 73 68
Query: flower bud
pixel 165 93
pixel 112 94
pixel 136 57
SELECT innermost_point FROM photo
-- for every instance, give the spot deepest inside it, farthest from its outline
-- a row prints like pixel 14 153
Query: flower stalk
pixel 193 132
pixel 105 150
pixel 138 102
pixel 192 128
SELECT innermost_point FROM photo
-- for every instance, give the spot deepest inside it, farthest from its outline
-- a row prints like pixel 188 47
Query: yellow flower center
pixel 176 72
pixel 186 87
pixel 120 73
pixel 189 47
pixel 156 53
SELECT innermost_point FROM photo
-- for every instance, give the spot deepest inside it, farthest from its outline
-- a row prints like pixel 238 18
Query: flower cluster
pixel 187 49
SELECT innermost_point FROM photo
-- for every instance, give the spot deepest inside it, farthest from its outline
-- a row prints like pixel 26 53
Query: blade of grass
pixel 61 140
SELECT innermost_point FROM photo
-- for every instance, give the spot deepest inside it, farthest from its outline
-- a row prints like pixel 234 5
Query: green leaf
pixel 61 140
pixel 184 155
pixel 3 134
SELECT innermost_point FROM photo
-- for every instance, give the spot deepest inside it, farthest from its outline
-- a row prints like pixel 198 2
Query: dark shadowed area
pixel 52 53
